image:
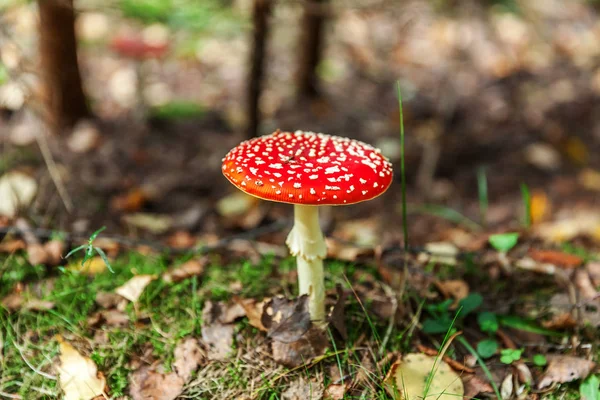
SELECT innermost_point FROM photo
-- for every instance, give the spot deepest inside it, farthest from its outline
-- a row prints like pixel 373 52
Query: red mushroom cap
pixel 136 48
pixel 308 168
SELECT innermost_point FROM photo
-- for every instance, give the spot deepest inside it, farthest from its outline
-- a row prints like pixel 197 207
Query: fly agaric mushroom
pixel 308 169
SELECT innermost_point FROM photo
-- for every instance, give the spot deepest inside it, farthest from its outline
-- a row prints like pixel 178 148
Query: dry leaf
pixel 337 316
pixel 457 288
pixel 17 190
pixel 507 387
pixel 93 266
pixel 293 354
pixel 131 201
pixel 153 223
pixel 184 271
pixel 561 321
pixel 286 320
pixel 254 310
pixel 188 356
pixel 78 375
pixel 335 391
pixel 109 317
pixel 133 288
pixel 217 334
pixel 10 246
pixel 145 384
pixel 563 369
pixel 38 305
pixel 304 389
pixel 455 365
pixel 555 257
pixel 181 240
pixel 583 283
pixel 439 253
pixel 108 300
pixel 539 207
pixel 409 376
pixel 475 385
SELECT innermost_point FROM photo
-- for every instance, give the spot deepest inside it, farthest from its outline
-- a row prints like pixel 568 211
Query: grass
pixel 166 312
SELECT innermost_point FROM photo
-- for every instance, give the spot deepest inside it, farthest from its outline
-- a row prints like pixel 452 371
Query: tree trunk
pixel 311 48
pixel 260 17
pixel 63 94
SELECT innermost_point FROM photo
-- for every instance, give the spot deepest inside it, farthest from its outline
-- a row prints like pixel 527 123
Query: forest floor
pixel 507 103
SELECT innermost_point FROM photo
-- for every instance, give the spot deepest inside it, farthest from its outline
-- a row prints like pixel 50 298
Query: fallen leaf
pixel 145 384
pixel 184 271
pixel 17 190
pixel 583 282
pixel 563 369
pixel 475 385
pixel 254 310
pixel 335 391
pixel 439 253
pixel 13 301
pixel 507 387
pixel 539 207
pixel 456 288
pixel 84 137
pixel 543 156
pixel 337 315
pixel 188 356
pixel 181 240
pixel 10 246
pixel 589 179
pixel 78 375
pixel 410 375
pixel 153 223
pixel 560 321
pixel 217 335
pixel 133 288
pixel 570 225
pixel 16 301
pixel 555 257
pixel 108 300
pixel 92 267
pixel 110 317
pixel 293 354
pixel 286 320
pixel 38 305
pixel 131 201
pixel 304 389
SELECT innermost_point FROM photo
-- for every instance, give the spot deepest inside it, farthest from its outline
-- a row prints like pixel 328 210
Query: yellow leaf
pixel 539 207
pixel 133 288
pixel 78 375
pixel 93 266
pixel 577 150
pixel 408 379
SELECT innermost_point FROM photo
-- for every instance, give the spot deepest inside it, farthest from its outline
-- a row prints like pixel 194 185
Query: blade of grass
pixel 482 191
pixel 402 167
pixel 481 363
pixel 526 196
pixel 446 213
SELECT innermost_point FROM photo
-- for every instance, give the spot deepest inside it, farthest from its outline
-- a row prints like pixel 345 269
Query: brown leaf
pixel 10 246
pixel 286 320
pixel 563 369
pixel 475 385
pixel 145 384
pixel 54 251
pixel 110 317
pixel 181 240
pixel 109 300
pixel 216 333
pixel 556 257
pixel 38 305
pixel 16 301
pixel 184 271
pixel 188 356
pixel 335 391
pixel 293 354
pixel 36 254
pixel 457 288
pixel 254 310
pixel 131 201
pixel 304 389
pixel 560 321
pixel 583 282
pixel 337 315
pixel 13 301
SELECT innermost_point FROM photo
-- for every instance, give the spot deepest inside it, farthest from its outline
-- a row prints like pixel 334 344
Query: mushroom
pixel 308 170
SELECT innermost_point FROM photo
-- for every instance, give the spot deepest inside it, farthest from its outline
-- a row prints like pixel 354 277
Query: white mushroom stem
pixel 307 243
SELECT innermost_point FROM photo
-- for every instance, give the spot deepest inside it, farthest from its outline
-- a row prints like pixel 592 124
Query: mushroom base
pixel 307 243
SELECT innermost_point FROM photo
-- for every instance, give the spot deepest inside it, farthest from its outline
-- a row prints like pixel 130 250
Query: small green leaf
pixel 439 308
pixel 95 234
pixel 487 348
pixel 487 322
pixel 104 258
pixel 539 360
pixel 75 250
pixel 503 242
pixel 433 326
pixel 589 388
pixel 508 356
pixel 470 303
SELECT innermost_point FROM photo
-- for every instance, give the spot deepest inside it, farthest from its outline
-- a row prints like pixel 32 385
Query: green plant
pixel 539 360
pixel 488 322
pixel 526 197
pixel 487 348
pixel 504 242
pixel 482 191
pixel 402 168
pixel 508 356
pixel 589 388
pixel 89 250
